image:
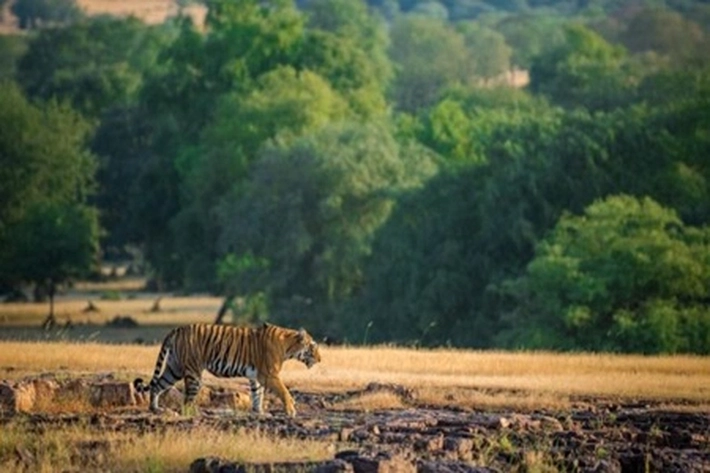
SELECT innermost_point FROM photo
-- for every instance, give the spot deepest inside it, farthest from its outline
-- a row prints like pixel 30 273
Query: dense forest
pixel 371 170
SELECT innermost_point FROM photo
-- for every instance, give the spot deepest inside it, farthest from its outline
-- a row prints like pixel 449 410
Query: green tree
pixel 459 126
pixel 99 66
pixel 43 157
pixel 122 144
pixel 664 32
pixel 347 68
pixel 515 167
pixel 247 38
pixel 429 55
pixel 284 105
pixel 310 212
pixel 350 19
pixel 348 46
pixel 489 52
pixel 46 178
pixel 51 245
pixel 12 48
pixel 584 71
pixel 243 39
pixel 37 13
pixel 94 64
pixel 628 275
pixel 530 36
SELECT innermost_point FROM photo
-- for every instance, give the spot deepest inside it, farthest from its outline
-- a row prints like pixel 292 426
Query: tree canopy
pixel 476 173
pixel 626 276
pixel 48 234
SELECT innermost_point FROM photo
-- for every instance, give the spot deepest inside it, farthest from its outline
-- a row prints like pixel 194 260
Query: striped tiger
pixel 229 351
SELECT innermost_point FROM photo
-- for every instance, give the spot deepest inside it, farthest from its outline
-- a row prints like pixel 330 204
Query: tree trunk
pixel 51 299
pixel 223 309
pixel 50 322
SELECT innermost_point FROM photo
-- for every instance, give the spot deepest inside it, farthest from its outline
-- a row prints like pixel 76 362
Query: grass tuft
pixel 82 448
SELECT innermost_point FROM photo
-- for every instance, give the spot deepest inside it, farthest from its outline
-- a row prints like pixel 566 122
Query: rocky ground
pixel 597 436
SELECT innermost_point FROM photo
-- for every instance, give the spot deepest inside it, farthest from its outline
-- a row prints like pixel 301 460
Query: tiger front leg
pixel 276 385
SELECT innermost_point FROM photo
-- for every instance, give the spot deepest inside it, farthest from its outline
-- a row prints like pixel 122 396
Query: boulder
pixel 16 398
pixel 113 394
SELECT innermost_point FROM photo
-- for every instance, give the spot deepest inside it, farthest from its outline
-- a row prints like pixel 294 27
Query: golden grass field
pixel 472 378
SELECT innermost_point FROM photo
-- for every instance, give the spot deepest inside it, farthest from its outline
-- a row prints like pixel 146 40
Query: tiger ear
pixel 301 334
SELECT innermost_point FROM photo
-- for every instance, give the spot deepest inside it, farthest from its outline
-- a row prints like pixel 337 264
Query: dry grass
pixel 51 450
pixel 440 377
pixel 443 377
pixel 496 399
pixel 173 310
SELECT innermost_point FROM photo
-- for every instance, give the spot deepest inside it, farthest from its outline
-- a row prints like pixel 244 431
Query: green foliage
pixel 42 155
pixel 443 255
pixel 490 54
pixel 312 207
pixel 284 105
pixel 241 273
pixel 122 144
pixel 350 20
pixel 625 276
pixel 94 64
pixel 247 38
pixel 257 155
pixel 459 126
pixel 348 68
pixel 48 234
pixel 429 55
pixel 583 71
pixel 664 32
pixel 423 278
pixel 531 36
pixel 244 39
pixel 52 244
pixel 12 48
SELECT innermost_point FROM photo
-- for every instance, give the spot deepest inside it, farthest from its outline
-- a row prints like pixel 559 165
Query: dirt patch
pixel 596 435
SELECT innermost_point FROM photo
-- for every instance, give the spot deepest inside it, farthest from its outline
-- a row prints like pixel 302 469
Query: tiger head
pixel 306 350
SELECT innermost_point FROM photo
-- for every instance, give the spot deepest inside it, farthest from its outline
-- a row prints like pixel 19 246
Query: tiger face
pixel 307 351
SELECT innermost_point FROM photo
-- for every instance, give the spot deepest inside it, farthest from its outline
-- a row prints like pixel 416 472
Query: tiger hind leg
pixel 257 396
pixel 158 386
pixel 155 393
pixel 193 383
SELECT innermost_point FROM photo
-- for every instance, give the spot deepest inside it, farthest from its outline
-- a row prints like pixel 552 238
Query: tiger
pixel 227 351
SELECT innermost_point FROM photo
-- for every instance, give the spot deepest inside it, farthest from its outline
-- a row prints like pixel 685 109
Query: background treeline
pixel 367 170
